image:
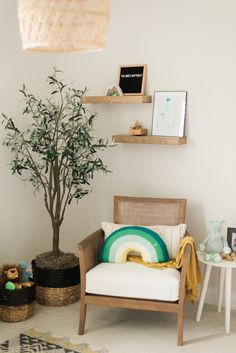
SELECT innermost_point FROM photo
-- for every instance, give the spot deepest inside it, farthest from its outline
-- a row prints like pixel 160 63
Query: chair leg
pixel 180 326
pixel 83 308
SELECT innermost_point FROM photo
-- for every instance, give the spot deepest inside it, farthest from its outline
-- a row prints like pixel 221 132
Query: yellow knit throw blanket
pixel 193 276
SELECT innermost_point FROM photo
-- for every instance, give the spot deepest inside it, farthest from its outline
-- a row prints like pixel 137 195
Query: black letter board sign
pixel 132 79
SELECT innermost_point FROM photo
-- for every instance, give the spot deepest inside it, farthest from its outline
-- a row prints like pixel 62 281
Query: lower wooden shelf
pixel 150 139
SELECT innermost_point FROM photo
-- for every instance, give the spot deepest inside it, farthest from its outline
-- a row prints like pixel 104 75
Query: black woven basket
pixel 59 278
pixel 17 297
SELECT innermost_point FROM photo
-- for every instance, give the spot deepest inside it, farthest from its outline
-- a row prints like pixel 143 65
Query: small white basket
pixel 63 25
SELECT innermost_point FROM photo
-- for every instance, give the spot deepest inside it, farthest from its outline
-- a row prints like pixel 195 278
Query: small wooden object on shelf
pixel 137 129
pixel 150 139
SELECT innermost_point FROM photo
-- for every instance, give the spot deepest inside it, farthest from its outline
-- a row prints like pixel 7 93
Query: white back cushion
pixel 171 235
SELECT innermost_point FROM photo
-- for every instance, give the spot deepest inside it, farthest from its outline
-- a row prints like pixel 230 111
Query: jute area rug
pixel 34 341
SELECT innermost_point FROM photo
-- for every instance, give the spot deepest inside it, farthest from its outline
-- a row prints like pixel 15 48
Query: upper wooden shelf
pixel 150 139
pixel 117 99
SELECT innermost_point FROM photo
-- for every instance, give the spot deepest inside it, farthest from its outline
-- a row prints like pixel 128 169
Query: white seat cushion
pixel 132 280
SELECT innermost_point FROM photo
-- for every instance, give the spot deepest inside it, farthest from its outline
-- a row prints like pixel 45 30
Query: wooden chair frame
pixel 89 257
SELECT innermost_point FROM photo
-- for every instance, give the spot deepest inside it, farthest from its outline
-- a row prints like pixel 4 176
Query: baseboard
pixel 212 298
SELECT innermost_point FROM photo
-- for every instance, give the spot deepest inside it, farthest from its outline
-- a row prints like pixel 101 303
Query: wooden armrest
pixel 187 253
pixel 89 249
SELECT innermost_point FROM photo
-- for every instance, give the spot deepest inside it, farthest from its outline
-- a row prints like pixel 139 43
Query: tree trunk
pixel 56 233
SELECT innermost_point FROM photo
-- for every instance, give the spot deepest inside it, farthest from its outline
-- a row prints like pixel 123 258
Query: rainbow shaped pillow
pixel 134 238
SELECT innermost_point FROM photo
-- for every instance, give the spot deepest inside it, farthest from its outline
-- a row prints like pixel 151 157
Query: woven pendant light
pixel 63 25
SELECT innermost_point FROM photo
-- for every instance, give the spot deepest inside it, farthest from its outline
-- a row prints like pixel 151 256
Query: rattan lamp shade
pixel 63 25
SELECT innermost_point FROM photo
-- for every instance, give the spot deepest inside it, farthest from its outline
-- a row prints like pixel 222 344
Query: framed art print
pixel 169 111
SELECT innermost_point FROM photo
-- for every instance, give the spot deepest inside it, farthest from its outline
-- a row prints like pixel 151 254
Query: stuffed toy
pixel 213 257
pixel 25 273
pixel 215 242
pixel 9 277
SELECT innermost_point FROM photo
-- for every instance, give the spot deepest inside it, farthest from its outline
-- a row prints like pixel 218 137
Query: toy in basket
pixel 17 293
pixel 137 129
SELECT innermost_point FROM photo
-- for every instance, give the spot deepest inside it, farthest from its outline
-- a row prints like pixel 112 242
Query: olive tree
pixel 57 151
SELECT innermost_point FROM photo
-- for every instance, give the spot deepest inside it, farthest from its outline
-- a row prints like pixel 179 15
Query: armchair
pixel 134 211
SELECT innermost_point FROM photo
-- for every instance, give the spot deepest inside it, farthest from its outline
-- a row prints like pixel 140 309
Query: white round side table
pixel 225 281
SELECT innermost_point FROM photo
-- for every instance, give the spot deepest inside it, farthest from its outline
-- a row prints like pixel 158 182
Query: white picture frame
pixel 169 112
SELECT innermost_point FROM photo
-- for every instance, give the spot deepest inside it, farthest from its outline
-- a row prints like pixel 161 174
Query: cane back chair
pixel 135 211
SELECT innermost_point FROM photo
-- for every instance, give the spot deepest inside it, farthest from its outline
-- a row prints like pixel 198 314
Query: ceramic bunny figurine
pixel 215 242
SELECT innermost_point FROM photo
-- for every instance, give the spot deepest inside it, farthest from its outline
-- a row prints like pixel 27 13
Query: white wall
pixel 187 45
pixel 25 225
pixel 22 217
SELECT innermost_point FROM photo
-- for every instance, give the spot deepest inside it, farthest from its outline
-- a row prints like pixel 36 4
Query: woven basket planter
pixel 63 25
pixel 17 305
pixel 56 287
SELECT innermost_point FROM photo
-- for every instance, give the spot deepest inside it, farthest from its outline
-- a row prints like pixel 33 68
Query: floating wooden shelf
pixel 117 99
pixel 148 139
